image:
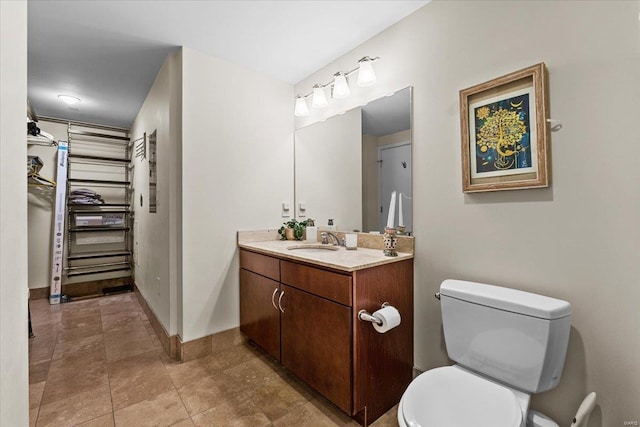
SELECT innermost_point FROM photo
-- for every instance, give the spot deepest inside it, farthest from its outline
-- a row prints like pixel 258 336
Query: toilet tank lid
pixel 506 299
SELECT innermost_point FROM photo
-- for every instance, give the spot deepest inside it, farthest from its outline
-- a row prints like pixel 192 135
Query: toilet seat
pixel 453 397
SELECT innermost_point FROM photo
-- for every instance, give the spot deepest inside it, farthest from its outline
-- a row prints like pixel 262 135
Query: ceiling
pixel 107 53
pixel 387 115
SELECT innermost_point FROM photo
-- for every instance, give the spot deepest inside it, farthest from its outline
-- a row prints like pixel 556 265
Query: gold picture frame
pixel 505 133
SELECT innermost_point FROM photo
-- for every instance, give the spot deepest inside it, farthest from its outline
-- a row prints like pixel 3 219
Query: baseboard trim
pixel 169 342
pixel 182 351
pixel 80 289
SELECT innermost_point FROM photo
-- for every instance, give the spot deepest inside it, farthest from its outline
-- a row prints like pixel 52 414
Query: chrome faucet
pixel 334 239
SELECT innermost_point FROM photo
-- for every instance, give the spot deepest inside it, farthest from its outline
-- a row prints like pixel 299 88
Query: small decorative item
pixel 401 230
pixel 293 230
pixel 504 132
pixel 390 241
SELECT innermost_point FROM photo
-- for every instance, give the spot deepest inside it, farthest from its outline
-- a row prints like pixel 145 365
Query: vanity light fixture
pixel 301 106
pixel 68 99
pixel 366 75
pixel 319 97
pixel 339 86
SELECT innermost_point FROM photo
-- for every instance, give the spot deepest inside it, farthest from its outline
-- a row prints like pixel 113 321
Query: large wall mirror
pixel 347 166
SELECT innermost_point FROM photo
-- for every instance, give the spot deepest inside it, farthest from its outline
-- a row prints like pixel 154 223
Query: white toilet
pixel 507 345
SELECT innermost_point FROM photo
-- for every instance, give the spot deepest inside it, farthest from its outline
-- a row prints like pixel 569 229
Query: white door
pixel 395 175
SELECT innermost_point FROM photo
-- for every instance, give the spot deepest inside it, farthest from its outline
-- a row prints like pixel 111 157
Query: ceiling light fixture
pixel 68 99
pixel 339 86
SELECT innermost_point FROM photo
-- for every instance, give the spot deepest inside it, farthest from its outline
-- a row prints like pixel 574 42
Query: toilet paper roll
pixel 390 317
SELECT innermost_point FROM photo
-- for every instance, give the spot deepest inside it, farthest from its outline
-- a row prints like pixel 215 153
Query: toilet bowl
pixel 455 397
pixel 507 345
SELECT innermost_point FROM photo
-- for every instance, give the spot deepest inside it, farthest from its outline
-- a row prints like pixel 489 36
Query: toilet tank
pixel 516 337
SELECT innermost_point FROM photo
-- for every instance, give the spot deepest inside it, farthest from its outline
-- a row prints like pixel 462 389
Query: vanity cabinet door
pixel 259 315
pixel 316 344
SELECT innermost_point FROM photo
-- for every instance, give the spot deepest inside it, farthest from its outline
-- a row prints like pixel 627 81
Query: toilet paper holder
pixel 367 317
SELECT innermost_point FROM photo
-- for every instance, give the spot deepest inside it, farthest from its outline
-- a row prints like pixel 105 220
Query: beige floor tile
pixel 207 392
pixel 163 410
pixel 276 398
pixel 38 372
pixel 122 350
pixel 116 299
pixel 117 321
pixel 312 414
pixel 255 373
pixel 69 349
pixel 237 413
pixel 149 362
pixel 105 420
pixel 41 348
pixel 35 394
pixel 125 335
pixel 188 372
pixel 390 419
pixel 33 416
pixel 127 391
pixel 68 377
pixel 236 356
pixel 74 364
pixel 238 385
pixel 226 340
pixel 73 334
pixel 122 307
pixel 184 423
pixel 80 322
pixel 76 409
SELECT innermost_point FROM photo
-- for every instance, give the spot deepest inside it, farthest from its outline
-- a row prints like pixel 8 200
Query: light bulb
pixel 366 75
pixel 68 99
pixel 340 86
pixel 319 97
pixel 301 109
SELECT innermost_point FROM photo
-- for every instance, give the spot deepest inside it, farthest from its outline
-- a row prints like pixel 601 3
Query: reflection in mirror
pixel 347 166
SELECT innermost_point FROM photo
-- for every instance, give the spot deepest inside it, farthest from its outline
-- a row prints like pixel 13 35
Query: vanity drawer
pixel 333 286
pixel 260 264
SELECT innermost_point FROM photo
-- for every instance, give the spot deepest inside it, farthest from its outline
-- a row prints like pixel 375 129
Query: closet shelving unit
pixel 98 235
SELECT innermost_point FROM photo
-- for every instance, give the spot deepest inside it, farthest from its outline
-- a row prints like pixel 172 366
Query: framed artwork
pixel 505 133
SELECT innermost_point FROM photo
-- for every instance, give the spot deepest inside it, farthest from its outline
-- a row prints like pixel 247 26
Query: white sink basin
pixel 313 248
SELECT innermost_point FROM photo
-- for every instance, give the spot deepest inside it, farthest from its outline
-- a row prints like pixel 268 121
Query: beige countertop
pixel 342 259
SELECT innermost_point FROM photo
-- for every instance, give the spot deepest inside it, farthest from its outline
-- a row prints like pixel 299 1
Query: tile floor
pixel 98 362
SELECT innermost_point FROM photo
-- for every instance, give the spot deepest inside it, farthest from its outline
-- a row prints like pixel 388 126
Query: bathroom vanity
pixel 302 308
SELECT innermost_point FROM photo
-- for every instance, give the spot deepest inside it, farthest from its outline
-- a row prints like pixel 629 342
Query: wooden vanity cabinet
pixel 311 326
pixel 259 291
pixel 316 330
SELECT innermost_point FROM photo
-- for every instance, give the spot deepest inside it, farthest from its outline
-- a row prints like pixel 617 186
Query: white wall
pixel 328 163
pixel 14 388
pixel 237 169
pixel 156 238
pixel 577 240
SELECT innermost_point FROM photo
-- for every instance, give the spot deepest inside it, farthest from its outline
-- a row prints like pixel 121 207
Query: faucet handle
pixel 325 241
